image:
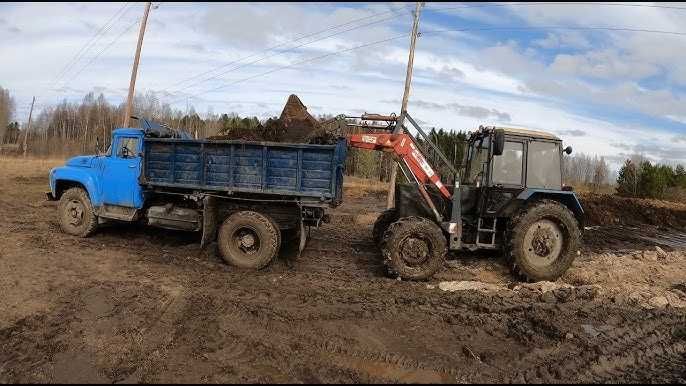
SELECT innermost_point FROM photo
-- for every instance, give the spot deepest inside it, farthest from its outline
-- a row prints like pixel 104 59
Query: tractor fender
pixel 566 198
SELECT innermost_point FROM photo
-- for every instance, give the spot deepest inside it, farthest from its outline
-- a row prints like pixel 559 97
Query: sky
pixel 608 78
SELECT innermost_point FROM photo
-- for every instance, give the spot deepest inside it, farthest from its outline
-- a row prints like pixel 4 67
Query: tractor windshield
pixel 477 157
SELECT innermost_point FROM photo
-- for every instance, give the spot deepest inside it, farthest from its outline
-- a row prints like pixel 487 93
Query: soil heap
pixel 294 125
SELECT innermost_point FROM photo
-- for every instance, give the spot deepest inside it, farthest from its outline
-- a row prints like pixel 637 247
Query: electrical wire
pixel 281 45
pixel 85 48
pixel 275 54
pixel 626 29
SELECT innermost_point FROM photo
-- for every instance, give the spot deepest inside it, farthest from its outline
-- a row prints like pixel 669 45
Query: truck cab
pixel 110 179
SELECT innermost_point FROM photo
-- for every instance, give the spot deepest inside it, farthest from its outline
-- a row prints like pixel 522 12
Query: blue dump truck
pixel 245 195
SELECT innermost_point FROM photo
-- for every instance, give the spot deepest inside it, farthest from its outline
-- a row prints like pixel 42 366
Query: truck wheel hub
pixel 414 251
pixel 75 212
pixel 543 242
pixel 246 240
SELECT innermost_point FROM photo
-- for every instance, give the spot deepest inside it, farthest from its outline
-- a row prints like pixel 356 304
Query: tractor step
pixel 486 226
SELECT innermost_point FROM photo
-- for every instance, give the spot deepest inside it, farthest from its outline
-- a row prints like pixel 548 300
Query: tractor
pixel 507 196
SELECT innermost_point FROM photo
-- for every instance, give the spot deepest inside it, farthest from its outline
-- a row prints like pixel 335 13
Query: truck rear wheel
pixel 76 214
pixel 543 241
pixel 413 248
pixel 385 219
pixel 249 239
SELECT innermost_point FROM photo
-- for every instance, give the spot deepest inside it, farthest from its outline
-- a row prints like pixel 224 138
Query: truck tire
pixel 385 219
pixel 76 214
pixel 543 240
pixel 413 248
pixel 248 239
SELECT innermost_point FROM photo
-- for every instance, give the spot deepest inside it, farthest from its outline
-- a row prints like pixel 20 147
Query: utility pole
pixel 134 71
pixel 28 128
pixel 390 202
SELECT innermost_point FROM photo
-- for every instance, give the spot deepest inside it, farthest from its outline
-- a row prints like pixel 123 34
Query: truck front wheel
pixel 543 241
pixel 76 214
pixel 414 248
pixel 248 240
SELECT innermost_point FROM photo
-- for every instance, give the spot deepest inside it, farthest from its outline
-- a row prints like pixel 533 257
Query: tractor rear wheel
pixel 249 239
pixel 543 240
pixel 413 248
pixel 385 219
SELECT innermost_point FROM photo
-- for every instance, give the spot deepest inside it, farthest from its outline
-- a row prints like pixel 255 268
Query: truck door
pixel 120 173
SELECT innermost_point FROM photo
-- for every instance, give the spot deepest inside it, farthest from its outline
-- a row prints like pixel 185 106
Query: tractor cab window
pixel 127 147
pixel 543 165
pixel 478 156
pixel 507 168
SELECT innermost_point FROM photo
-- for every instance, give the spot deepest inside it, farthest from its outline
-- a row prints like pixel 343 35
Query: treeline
pixel 6 114
pixel 641 178
pixel 586 172
pixel 72 128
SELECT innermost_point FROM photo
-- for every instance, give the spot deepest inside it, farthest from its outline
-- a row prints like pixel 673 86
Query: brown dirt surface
pixel 605 209
pixel 137 304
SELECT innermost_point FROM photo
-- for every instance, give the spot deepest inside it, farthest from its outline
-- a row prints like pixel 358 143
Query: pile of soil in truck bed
pixel 294 125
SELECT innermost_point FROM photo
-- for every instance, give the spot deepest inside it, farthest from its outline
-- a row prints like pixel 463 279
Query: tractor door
pixel 507 177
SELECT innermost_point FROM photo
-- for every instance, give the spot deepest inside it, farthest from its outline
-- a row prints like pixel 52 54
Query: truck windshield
pixel 478 155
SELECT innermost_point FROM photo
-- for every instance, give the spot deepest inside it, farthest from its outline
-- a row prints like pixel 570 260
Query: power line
pixel 127 29
pixel 278 53
pixel 293 65
pixel 517 28
pixel 283 44
pixel 85 48
pixel 434 9
pixel 626 29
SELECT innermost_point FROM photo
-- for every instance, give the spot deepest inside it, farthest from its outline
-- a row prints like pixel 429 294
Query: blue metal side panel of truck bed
pixel 300 170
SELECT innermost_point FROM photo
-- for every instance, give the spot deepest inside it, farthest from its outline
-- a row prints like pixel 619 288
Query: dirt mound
pixel 605 209
pixel 294 125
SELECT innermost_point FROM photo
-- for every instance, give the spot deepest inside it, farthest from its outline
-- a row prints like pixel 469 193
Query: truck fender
pixel 84 177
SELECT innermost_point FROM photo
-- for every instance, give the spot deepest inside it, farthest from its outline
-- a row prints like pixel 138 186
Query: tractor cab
pixel 502 163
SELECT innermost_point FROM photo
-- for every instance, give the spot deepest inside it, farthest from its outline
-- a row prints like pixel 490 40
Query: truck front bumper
pixel 50 197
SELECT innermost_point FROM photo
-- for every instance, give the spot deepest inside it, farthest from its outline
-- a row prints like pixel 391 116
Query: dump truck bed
pixel 293 171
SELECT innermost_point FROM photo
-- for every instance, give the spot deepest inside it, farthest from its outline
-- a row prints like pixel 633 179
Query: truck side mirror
pixel 499 142
pixel 568 150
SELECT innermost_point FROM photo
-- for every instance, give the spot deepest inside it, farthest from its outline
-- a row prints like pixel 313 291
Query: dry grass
pixel 358 187
pixel 27 167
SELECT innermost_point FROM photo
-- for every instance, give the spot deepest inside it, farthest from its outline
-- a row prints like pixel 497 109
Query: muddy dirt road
pixel 134 304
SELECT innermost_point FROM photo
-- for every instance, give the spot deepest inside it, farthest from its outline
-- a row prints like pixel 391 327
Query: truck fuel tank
pixel 174 217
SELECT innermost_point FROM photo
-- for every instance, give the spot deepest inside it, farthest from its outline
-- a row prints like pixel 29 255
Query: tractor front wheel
pixel 385 219
pixel 543 241
pixel 413 248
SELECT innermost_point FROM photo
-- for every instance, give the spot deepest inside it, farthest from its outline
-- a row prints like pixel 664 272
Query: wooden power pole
pixel 390 203
pixel 134 71
pixel 28 127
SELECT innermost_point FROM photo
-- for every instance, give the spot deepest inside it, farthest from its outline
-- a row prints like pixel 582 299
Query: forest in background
pixel 71 128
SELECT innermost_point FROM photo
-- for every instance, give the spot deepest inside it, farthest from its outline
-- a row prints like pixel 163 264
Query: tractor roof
pixel 528 133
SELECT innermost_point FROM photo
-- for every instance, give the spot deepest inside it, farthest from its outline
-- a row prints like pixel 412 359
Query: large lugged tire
pixel 385 219
pixel 76 214
pixel 543 240
pixel 249 240
pixel 413 248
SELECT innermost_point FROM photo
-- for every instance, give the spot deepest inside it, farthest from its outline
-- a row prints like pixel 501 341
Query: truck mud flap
pixel 209 221
pixel 303 237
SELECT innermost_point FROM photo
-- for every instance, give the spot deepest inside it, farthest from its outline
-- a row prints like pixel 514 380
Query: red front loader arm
pixel 406 151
